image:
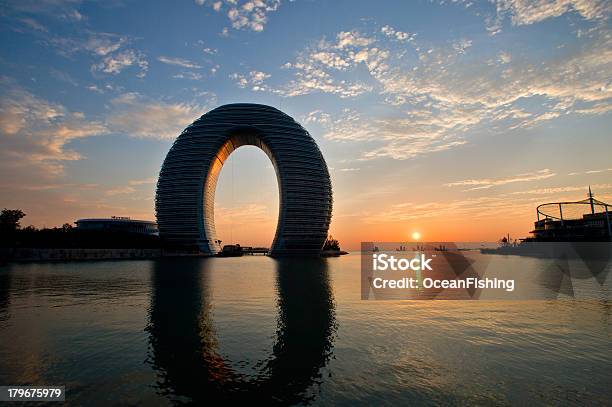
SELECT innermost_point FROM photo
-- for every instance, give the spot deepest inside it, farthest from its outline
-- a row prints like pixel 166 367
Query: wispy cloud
pixel 185 63
pixel 557 190
pixel 527 12
pixel 440 96
pixel 137 116
pixel 589 172
pixel 194 76
pixel 36 132
pixel 95 43
pixel 523 12
pixel 109 49
pixel 123 190
pixel 246 214
pixel 67 10
pixel 143 181
pixel 474 208
pixel 419 133
pixel 131 187
pixel 485 183
pixel 34 25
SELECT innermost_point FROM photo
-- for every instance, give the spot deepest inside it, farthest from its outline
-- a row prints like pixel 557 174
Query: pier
pixel 253 251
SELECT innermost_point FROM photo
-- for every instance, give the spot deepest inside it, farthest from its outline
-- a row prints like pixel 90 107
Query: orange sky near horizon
pixel 246 207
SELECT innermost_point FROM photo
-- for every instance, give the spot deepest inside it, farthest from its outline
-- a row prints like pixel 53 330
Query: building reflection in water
pixel 184 350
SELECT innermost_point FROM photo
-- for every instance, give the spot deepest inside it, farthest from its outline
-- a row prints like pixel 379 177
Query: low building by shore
pixel 118 224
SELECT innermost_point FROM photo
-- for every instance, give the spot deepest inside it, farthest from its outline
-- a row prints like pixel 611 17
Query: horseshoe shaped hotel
pixel 184 201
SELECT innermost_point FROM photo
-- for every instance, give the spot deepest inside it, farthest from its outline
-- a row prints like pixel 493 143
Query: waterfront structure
pixel 585 220
pixel 184 200
pixel 118 224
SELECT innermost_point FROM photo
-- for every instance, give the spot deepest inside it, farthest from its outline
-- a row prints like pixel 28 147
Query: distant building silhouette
pixel 118 224
pixel 588 219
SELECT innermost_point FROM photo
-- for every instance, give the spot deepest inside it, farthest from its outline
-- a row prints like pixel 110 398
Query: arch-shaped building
pixel 184 200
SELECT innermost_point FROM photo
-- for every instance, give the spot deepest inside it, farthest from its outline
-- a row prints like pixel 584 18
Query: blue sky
pixel 427 112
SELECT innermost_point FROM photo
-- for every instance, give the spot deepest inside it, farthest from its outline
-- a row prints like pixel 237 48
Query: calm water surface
pixel 178 331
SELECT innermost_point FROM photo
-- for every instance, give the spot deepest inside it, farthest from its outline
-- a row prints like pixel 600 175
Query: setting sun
pixel 416 236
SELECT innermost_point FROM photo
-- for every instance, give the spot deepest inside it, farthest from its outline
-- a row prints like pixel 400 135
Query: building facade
pixel 184 201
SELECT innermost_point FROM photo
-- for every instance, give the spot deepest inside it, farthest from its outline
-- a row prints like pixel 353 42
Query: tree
pixel 67 227
pixel 9 219
pixel 331 244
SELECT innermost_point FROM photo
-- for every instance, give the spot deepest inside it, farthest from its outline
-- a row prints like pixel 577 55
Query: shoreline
pixel 73 254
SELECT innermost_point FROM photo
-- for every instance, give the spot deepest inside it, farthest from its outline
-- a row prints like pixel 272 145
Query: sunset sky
pixel 450 118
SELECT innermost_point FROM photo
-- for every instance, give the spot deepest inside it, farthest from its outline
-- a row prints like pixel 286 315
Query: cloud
pixel 143 181
pixel 254 80
pixel 485 183
pixel 417 133
pixel 243 15
pixel 595 108
pixel 318 68
pixel 450 91
pixel 525 12
pixel 557 190
pixel 244 214
pixel 124 190
pixel 104 43
pixel 137 116
pixel 351 39
pixel 67 10
pixel 396 34
pixel 131 187
pixel 462 45
pixel 439 96
pixel 35 132
pixel 504 57
pixel 590 172
pixel 62 76
pixel 98 44
pixel 185 63
pixel 110 50
pixel 194 76
pixel 472 208
pixel 115 63
pixel 95 88
pixel 317 116
pixel 34 25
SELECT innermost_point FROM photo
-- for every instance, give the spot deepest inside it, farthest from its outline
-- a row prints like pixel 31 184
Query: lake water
pixel 173 331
